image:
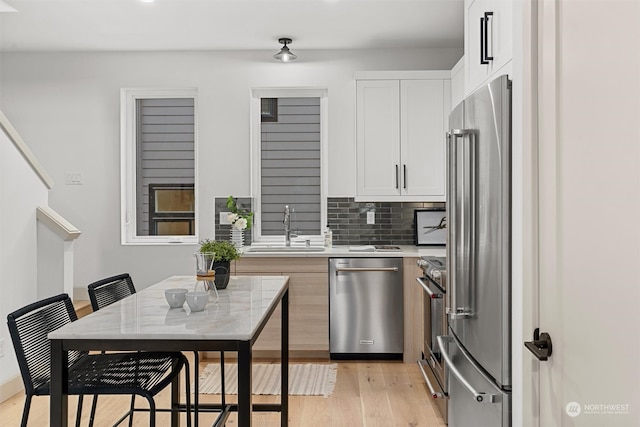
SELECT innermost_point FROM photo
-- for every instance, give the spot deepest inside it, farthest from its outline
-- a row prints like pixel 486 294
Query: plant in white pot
pixel 223 253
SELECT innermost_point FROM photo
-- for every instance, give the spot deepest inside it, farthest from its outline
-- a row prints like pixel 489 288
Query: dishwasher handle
pixel 364 269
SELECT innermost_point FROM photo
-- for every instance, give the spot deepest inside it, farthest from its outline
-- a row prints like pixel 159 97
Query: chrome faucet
pixel 287 226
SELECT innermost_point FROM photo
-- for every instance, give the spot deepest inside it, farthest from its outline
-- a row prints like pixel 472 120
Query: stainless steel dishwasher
pixel 365 308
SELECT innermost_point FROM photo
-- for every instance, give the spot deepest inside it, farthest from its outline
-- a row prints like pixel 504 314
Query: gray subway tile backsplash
pixel 394 221
pixel 348 221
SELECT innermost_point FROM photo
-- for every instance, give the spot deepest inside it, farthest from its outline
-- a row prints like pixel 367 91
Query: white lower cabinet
pixel 400 125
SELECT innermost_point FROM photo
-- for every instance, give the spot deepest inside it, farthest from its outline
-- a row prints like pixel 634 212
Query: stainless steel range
pixel 434 285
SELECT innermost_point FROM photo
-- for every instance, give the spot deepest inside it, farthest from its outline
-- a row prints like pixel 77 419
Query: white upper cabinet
pixel 378 137
pixel 488 44
pixel 457 83
pixel 400 126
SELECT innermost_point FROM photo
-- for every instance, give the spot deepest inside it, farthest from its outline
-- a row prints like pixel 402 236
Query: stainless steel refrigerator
pixel 477 349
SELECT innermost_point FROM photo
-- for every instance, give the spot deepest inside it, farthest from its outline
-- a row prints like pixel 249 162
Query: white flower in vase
pixel 240 220
pixel 240 224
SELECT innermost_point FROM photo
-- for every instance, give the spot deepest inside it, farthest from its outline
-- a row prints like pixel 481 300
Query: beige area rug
pixel 309 379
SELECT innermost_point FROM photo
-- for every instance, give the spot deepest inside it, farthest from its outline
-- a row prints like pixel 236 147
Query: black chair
pixel 101 294
pixel 133 373
pixel 107 291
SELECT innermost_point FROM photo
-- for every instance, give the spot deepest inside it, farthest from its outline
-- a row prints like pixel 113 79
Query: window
pixel 269 109
pixel 158 166
pixel 288 152
pixel 171 209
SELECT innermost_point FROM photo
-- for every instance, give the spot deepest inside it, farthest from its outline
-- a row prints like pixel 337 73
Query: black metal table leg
pixel 58 411
pixel 284 355
pixel 244 384
pixel 175 401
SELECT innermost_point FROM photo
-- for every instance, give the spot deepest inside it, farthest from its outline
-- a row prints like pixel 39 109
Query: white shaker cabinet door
pixel 378 137
pixel 422 127
pixel 488 40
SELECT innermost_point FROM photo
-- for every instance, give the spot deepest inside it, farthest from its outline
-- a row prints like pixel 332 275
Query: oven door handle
pixel 435 394
pixel 426 288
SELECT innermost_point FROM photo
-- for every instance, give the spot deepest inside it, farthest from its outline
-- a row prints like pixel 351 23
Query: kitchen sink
pixel 284 249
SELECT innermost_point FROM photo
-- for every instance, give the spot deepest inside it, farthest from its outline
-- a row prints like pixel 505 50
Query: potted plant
pixel 223 252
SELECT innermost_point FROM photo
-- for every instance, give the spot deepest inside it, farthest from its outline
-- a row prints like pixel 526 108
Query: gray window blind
pixel 290 153
pixel 165 149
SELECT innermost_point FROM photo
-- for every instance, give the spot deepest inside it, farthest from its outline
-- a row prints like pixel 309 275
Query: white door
pixel 589 215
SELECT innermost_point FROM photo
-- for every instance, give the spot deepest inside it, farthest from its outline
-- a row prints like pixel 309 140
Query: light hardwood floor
pixel 367 394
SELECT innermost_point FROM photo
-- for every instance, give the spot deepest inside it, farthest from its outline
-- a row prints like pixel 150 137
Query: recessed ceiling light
pixel 147 1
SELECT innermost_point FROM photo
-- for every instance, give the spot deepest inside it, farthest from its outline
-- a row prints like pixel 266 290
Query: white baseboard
pixel 10 388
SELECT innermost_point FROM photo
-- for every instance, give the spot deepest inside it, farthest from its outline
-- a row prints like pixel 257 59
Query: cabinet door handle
pixel 404 173
pixel 483 61
pixel 397 177
pixel 484 38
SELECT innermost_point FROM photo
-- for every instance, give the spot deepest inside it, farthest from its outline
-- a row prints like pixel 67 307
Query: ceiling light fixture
pixel 285 54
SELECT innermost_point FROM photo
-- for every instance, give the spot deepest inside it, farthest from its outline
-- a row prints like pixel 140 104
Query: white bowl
pixel 197 300
pixel 175 297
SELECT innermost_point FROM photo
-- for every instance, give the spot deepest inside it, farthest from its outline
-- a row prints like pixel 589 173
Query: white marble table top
pixel 241 307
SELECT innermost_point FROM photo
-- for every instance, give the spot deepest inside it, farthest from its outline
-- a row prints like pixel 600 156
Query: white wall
pixel 66 105
pixel 21 190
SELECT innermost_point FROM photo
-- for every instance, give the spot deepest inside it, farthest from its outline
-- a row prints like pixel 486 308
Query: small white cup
pixel 175 297
pixel 197 300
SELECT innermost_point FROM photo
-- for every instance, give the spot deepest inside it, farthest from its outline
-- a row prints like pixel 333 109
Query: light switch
pixel 371 217
pixel 73 178
pixel 223 218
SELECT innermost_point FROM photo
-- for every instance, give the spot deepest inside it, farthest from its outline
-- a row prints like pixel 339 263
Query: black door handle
pixel 540 346
pixel 483 60
pixel 484 39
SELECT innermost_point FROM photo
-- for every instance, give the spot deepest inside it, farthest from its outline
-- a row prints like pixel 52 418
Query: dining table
pixel 231 321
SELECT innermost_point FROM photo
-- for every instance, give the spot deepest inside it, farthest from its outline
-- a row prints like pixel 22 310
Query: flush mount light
pixel 285 54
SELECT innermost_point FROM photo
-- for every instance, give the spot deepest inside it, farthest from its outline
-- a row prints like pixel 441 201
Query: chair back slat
pixel 29 328
pixel 107 291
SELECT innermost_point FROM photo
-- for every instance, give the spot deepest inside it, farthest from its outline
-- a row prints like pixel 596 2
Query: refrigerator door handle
pixel 479 396
pixel 458 260
pixel 452 213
